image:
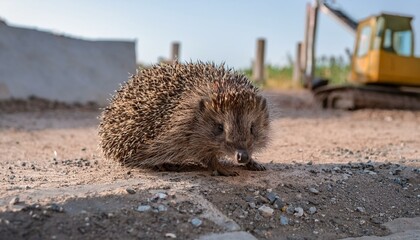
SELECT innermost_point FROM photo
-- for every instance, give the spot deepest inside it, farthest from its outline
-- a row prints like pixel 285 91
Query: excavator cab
pixel 384 52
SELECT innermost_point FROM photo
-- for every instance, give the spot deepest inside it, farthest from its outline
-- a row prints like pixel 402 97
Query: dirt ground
pixel 331 174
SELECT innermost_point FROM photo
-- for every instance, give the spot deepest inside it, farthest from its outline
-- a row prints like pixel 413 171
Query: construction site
pixel 343 159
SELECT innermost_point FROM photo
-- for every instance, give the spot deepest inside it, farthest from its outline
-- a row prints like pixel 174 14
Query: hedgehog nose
pixel 242 156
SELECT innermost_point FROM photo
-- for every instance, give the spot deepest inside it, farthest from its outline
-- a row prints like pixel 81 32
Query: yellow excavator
pixel 384 71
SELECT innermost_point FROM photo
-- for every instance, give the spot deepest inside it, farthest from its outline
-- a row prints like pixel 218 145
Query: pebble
pixel 284 220
pixel 360 209
pixel 130 191
pixel 271 197
pixel 278 203
pixel 401 181
pixel 262 200
pixel 290 210
pixel 266 211
pixel 313 190
pixel 55 208
pixel 170 235
pixel 312 210
pixel 14 201
pixel 298 212
pixel 196 222
pixel 252 205
pixel 160 196
pixel 249 199
pixel 144 208
pixel 162 208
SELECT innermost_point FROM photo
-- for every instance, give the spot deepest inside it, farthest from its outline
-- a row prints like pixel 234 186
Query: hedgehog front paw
pixel 255 166
pixel 220 170
pixel 224 172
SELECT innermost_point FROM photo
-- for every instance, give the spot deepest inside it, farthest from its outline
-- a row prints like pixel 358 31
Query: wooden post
pixel 305 42
pixel 297 68
pixel 258 68
pixel 311 35
pixel 175 51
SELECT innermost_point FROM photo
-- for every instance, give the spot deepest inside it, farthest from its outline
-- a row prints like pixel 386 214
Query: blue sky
pixel 218 30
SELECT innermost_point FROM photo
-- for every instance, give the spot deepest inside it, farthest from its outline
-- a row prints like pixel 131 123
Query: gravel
pixel 144 208
pixel 312 210
pixel 298 212
pixel 284 220
pixel 266 211
pixel 196 222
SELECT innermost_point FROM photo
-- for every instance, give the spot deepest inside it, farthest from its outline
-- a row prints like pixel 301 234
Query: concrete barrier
pixel 55 67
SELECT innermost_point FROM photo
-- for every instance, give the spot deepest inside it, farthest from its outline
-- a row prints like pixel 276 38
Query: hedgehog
pixel 175 114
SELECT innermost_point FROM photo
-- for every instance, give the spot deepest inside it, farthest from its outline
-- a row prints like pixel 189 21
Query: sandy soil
pixel 349 172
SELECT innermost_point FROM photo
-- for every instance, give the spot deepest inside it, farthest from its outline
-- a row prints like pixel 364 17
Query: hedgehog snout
pixel 242 156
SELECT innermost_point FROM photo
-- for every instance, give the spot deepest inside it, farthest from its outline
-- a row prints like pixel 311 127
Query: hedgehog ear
pixel 262 102
pixel 203 103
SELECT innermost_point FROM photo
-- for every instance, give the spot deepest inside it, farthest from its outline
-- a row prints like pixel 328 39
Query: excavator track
pixel 352 97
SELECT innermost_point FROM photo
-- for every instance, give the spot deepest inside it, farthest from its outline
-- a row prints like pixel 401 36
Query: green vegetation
pixel 333 68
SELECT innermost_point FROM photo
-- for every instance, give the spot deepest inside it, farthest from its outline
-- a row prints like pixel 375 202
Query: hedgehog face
pixel 236 130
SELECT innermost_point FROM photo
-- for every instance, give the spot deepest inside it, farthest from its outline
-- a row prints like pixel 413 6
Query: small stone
pixel 284 220
pixel 312 210
pixel 252 205
pixel 161 196
pixel 266 211
pixel 130 191
pixel 162 208
pixel 279 204
pixel 298 212
pixel 262 200
pixel 337 169
pixel 271 197
pixel 14 201
pixel 362 222
pixel 55 208
pixel 144 208
pixel 290 210
pixel 249 199
pixel 313 190
pixel 360 209
pixel 196 222
pixel 170 235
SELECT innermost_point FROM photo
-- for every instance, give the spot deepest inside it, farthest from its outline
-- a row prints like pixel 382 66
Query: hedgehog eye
pixel 252 129
pixel 220 129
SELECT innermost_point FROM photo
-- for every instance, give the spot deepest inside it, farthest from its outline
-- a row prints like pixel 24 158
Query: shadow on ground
pixel 337 201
